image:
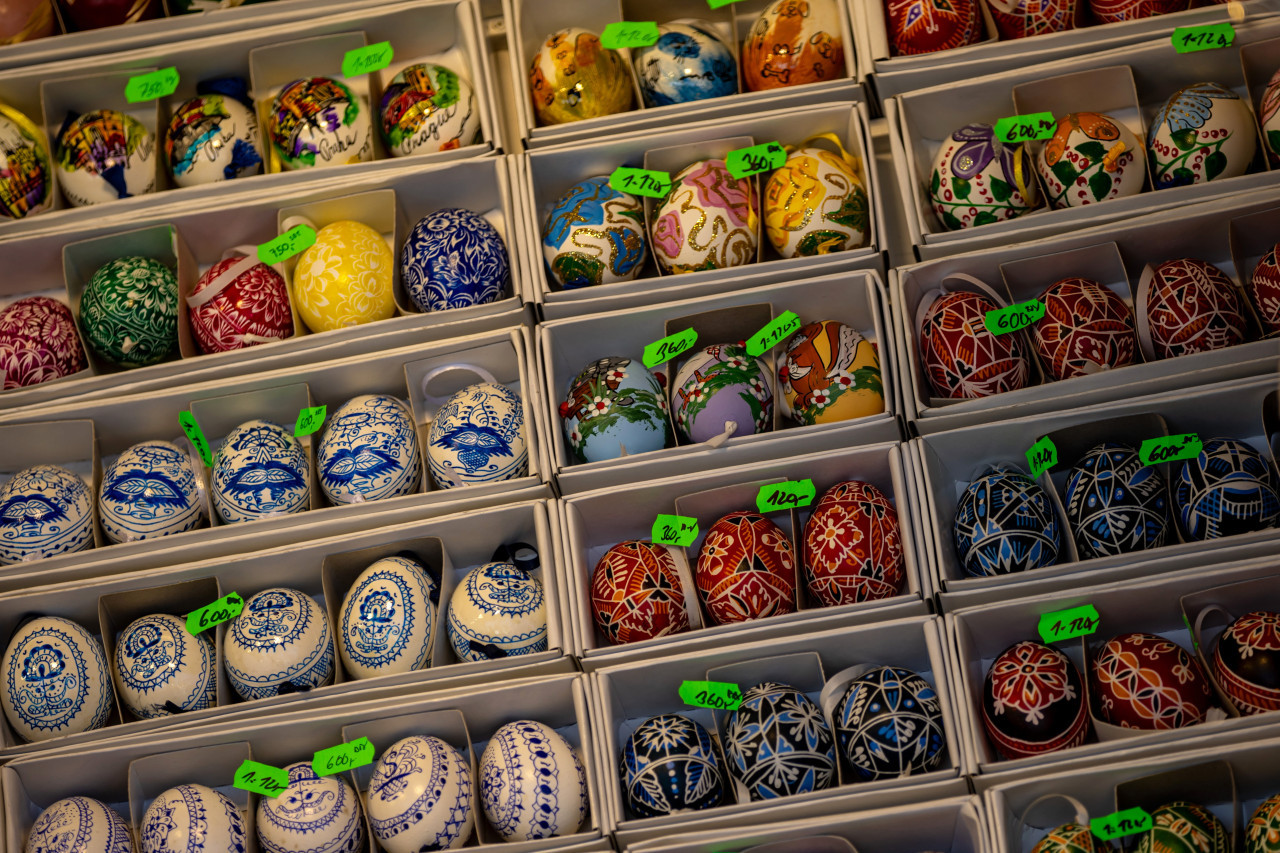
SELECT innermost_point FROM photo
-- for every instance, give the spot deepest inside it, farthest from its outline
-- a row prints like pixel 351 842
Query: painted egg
pixel 688 62
pixel 477 437
pixel 572 77
pixel 369 451
pixel 830 373
pixel 316 122
pixel 260 471
pixel 1142 681
pixel 56 680
pixel 978 180
pixel 793 42
pixel 778 743
pixel 721 390
pixel 94 826
pixel 149 491
pixel 1005 523
pixel 105 155
pixel 746 569
pixel 615 407
pixel 345 278
pixel 1246 662
pixel 1015 19
pixel 162 669
pixel 709 220
pixel 669 765
pixel 1264 290
pixel 280 643
pixel 26 21
pixel 889 725
pixel 192 819
pixel 1085 328
pixel 1264 827
pixel 1069 838
pixel 1227 489
pixel 240 302
pixel 636 593
pixel 1203 132
pixel 497 611
pixel 314 814
pixel 80 15
pixel 212 138
pixel 428 108
pixel 1184 827
pixel 532 783
pixel 1269 117
pixel 594 235
pixel 925 26
pixel 1033 702
pixel 45 510
pixel 1091 158
pixel 454 259
pixel 38 342
pixel 815 204
pixel 853 547
pixel 1191 306
pixel 962 358
pixel 388 618
pixel 129 312
pixel 1115 504
pixel 26 175
pixel 1114 11
pixel 420 796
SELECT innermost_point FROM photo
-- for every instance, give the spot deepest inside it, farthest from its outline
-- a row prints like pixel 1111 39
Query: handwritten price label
pixel 344 756
pixel 669 347
pixel 793 493
pixel 309 420
pixel 1042 456
pixel 1015 318
pixel 150 87
pixel 764 157
pixel 196 436
pixel 1206 37
pixel 1128 822
pixel 646 182
pixel 772 334
pixel 629 34
pixel 366 60
pixel 711 694
pixel 716 4
pixel 261 779
pixel 223 610
pixel 297 239
pixel 1025 128
pixel 1170 448
pixel 674 530
pixel 1066 624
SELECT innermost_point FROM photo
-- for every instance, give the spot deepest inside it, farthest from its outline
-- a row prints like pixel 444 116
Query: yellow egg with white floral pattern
pixel 815 204
pixel 344 279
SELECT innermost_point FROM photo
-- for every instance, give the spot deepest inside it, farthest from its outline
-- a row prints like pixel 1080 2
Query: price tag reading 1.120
pixel 1206 37
pixel 1067 624
pixel 711 694
pixel 196 436
pixel 344 756
pixel 261 779
pixel 629 34
pixel 772 334
pixel 1128 822
pixel 647 182
pixel 1042 456
pixel 674 530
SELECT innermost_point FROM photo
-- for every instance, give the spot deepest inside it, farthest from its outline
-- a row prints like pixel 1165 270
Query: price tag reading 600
pixel 344 756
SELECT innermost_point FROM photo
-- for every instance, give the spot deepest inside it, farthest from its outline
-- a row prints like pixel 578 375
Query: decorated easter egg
pixel 636 593
pixel 1203 132
pixel 45 510
pixel 316 122
pixel 978 180
pixel 1069 838
pixel 889 724
pixel 316 814
pixel 1184 827
pixel 477 437
pixel 594 235
pixel 38 342
pixel 924 26
pixel 1015 19
pixel 746 569
pixel 1114 11
pixel 369 451
pixel 26 20
pixel 1264 290
pixel 26 176
pixel 793 42
pixel 1264 827
pixel 1191 306
pixel 1085 328
pixel 688 62
pixel 1090 158
pixel 778 744
pixel 961 357
pixel 129 312
pixel 1141 681
pixel 105 155
pixel 532 783
pixel 162 669
pixel 615 407
pixel 572 77
pixel 815 204
pixel 79 825
pixel 280 643
pixel 345 278
pixel 56 680
pixel 428 108
pixel 388 617
pixel 212 138
pixel 260 471
pixel 150 490
pixel 192 819
pixel 720 389
pixel 853 547
pixel 239 302
pixel 1246 662
pixel 830 373
pixel 1269 118
pixel 1033 702
pixel 454 259
pixel 420 796
pixel 669 765
pixel 709 220
pixel 497 611
pixel 1005 523
pixel 1227 489
pixel 1115 504
pixel 94 14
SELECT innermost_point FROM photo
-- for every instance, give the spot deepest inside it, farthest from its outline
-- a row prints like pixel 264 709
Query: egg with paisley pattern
pixel 420 796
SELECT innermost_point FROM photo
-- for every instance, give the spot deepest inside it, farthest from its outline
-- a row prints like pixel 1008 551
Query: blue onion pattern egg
pixel 1005 523
pixel 889 724
pixel 594 235
pixel 478 437
pixel 280 643
pixel 149 491
pixel 79 825
pixel 454 259
pixel 1115 504
pixel 260 471
pixel 192 819
pixel 669 765
pixel 615 407
pixel 498 611
pixel 162 669
pixel 1228 489
pixel 532 783
pixel 388 619
pixel 420 797
pixel 369 451
pixel 56 680
pixel 688 62
pixel 778 744
pixel 314 814
pixel 44 510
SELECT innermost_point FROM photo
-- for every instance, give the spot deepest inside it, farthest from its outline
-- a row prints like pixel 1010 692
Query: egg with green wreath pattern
pixel 615 407
pixel 129 312
pixel 979 180
pixel 1202 133
pixel 721 390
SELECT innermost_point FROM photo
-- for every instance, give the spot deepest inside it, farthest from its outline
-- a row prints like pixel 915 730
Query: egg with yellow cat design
pixel 815 204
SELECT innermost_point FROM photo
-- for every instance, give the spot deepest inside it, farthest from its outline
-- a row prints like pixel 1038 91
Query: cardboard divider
pixel 1211 784
pixel 212 766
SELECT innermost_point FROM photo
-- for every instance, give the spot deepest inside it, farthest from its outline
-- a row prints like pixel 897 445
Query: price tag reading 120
pixel 711 694
pixel 626 179
pixel 1042 456
pixel 792 494
pixel 1127 822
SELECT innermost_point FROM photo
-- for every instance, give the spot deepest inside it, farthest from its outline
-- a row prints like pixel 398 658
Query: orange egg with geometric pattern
pixel 1142 681
pixel 746 569
pixel 853 547
pixel 1069 838
pixel 636 593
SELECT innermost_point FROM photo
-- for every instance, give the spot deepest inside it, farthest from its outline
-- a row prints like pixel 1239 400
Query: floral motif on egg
pixel 1262 835
pixel 925 26
pixel 1085 328
pixel 1015 19
pixel 1264 290
pixel 1201 133
pixel 1033 702
pixel 1246 661
pixel 1142 681
pixel 853 547
pixel 1269 118
pixel 830 373
pixel 478 437
pixel 1191 306
pixel 252 308
pixel 1091 158
pixel 1183 827
pixel 615 407
pixel 979 180
pixel 746 569
pixel 709 220
pixel 45 510
pixel 636 593
pixel 38 342
pixel 345 278
pixel 962 359
pixel 1114 11
pixel 721 385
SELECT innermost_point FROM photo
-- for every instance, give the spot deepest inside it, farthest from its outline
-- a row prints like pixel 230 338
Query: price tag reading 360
pixel 711 694
pixel 764 157
pixel 667 348
pixel 678 530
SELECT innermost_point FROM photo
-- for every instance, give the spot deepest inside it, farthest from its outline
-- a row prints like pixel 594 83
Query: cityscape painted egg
pixel 1070 838
pixel 38 342
pixel 105 155
pixel 454 258
pixel 26 173
pixel 369 451
pixel 345 278
pixel 815 204
pixel 1202 133
pixel 925 26
pixel 55 680
pixel 1091 158
pixel 1229 488
pixel 1269 118
pixel 688 62
pixel 746 569
pixel 636 593
pixel 477 437
pixel 428 108
pixel 1263 290
pixel 45 510
pixel 615 407
pixel 212 138
pixel 573 77
pixel 522 763
pixel 721 390
pixel 150 490
pixel 388 618
pixel 709 220
pixel 497 611
pixel 1264 827
pixel 240 302
pixel 1086 328
pixel 669 765
pixel 961 357
pixel 318 814
pixel 1115 504
pixel 853 547
pixel 1191 306
pixel 1183 827
pixel 280 643
pixel 192 819
pixel 830 373
pixel 1141 681
pixel 889 725
pixel 1246 662
pixel 317 122
pixel 161 668
pixel 1005 523
pixel 260 471
pixel 594 235
pixel 1114 11
pixel 129 312
pixel 1033 702
pixel 420 796
pixel 977 179
pixel 96 826
pixel 793 42
pixel 1015 19
pixel 778 744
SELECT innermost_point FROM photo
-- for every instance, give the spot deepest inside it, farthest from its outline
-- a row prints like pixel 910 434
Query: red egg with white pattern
pixel 962 359
pixel 240 302
pixel 38 343
pixel 1015 19
pixel 746 569
pixel 636 593
pixel 1142 681
pixel 1033 702
pixel 926 26
pixel 1246 662
pixel 1115 11
pixel 1191 306
pixel 1264 290
pixel 853 547
pixel 1085 328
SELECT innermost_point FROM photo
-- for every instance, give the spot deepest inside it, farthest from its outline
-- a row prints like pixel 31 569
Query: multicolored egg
pixel 498 611
pixel 212 138
pixel 853 547
pixel 1091 158
pixel 1115 504
pixel 793 42
pixel 478 437
pixel 688 62
pixel 105 155
pixel 1114 11
pixel 45 510
pixel 1015 19
pixel 720 389
pixel 709 220
pixel 1226 490
pixel 1033 702
pixel 1069 838
pixel 55 680
pixel 1141 681
pixel 454 259
pixel 1086 328
pixel 519 802
pixel 27 20
pixel 1005 523
pixel 636 593
pixel 573 77
pixel 129 312
pixel 962 359
pixel 815 204
pixel 192 819
pixel 778 743
pixel 26 174
pixel 388 619
pixel 318 814
pixel 369 451
pixel 345 278
pixel 925 26
pixel 260 471
pixel 746 569
pixel 162 669
pixel 594 235
pixel 101 827
pixel 280 642
pixel 149 491
pixel 978 180
pixel 240 302
pixel 615 407
pixel 1184 827
pixel 1202 133
pixel 1269 118
pixel 1264 290
pixel 1246 662
pixel 889 725
pixel 1264 827
pixel 318 121
pixel 1191 306
pixel 669 765
pixel 38 342
pixel 830 373
pixel 428 108
pixel 420 796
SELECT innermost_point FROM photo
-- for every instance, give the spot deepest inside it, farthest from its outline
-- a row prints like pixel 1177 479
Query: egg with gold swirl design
pixel 708 220
pixel 815 204
pixel 572 77
pixel 345 278
pixel 594 235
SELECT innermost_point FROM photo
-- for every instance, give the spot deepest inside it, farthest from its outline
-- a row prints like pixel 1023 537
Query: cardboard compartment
pixel 211 766
pixel 1209 612
pixel 73 446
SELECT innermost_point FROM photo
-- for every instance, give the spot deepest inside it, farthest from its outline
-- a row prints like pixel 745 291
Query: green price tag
pixel 1191 632
pixel 772 334
pixel 674 530
pixel 366 60
pixel 764 157
pixel 196 436
pixel 309 420
pixel 297 239
pixel 1015 318
pixel 629 34
pixel 626 179
pixel 669 347
pixel 793 493
pixel 344 756
pixel 716 4
pixel 223 610
pixel 261 779
pixel 1128 822
pixel 1170 448
pixel 1042 456
pixel 151 87
pixel 1065 624
pixel 1205 37
pixel 1025 128
pixel 711 694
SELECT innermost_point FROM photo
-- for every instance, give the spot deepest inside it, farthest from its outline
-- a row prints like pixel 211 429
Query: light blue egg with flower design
pixel 369 451
pixel 688 62
pixel 260 471
pixel 615 407
pixel 388 619
pixel 454 259
pixel 280 643
pixel 161 668
pixel 149 491
pixel 594 235
pixel 45 510
pixel 498 611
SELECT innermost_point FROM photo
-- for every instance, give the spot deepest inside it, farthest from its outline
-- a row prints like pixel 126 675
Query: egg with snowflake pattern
pixel 593 235
pixel 1190 306
pixel 192 819
pixel 926 26
pixel 1086 328
pixel 745 569
pixel 1142 681
pixel 1246 662
pixel 636 593
pixel 477 437
pixel 1202 133
pixel 961 358
pixel 573 77
pixel 1262 835
pixel 853 547
pixel 1264 290
pixel 889 725
pixel 98 827
pixel 778 744
pixel 45 510
pixel 1228 489
pixel 420 796
pixel 1115 504
pixel 1091 158
pixel 615 407
pixel 794 42
pixel 532 783
pixel 669 765
pixel 978 180
pixel 1005 523
pixel 453 258
pixel 1033 702
pixel 1183 827
pixel 708 220
pixel 38 343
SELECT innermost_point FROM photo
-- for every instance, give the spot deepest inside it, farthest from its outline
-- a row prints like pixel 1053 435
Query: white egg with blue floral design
pixel 150 490
pixel 161 668
pixel 498 611
pixel 388 619
pixel 192 819
pixel 369 451
pixel 315 814
pixel 280 643
pixel 56 680
pixel 79 825
pixel 260 471
pixel 420 796
pixel 454 259
pixel 45 510
pixel 688 62
pixel 532 783
pixel 478 437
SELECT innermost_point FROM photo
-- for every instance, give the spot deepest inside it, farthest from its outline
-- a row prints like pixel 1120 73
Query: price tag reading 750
pixel 646 182
pixel 297 239
pixel 1068 624
pixel 344 756
pixel 152 86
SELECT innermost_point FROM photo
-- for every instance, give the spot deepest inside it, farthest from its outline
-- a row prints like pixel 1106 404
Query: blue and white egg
pixel 1115 504
pixel 594 235
pixel 56 680
pixel 669 765
pixel 260 471
pixel 889 724
pixel 688 62
pixel 150 490
pixel 161 668
pixel 369 451
pixel 93 826
pixel 192 819
pixel 45 510
pixel 498 611
pixel 778 744
pixel 315 814
pixel 420 797
pixel 454 259
pixel 532 783
pixel 388 619
pixel 1005 523
pixel 280 643
pixel 1228 489
pixel 477 437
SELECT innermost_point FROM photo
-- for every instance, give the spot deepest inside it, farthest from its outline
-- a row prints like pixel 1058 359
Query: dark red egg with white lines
pixel 1141 681
pixel 1264 290
pixel 38 343
pixel 853 546
pixel 1015 19
pixel 1033 702
pixel 636 593
pixel 746 569
pixel 239 303
pixel 926 26
pixel 1085 328
pixel 1246 662
pixel 1191 306
pixel 961 358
